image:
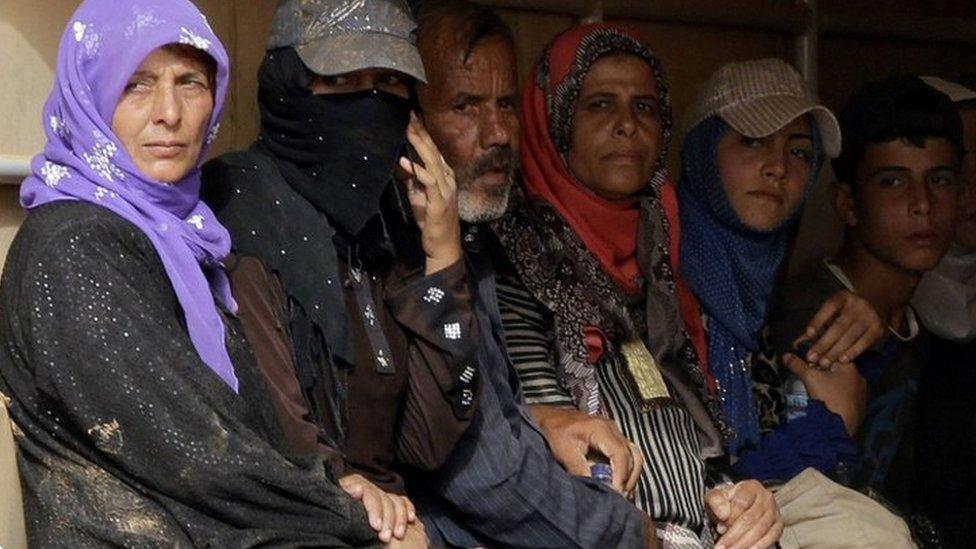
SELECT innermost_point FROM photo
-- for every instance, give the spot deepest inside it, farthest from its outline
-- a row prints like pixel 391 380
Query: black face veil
pixel 338 151
pixel 316 190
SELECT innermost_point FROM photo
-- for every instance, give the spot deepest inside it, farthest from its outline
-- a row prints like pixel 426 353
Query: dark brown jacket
pixel 413 416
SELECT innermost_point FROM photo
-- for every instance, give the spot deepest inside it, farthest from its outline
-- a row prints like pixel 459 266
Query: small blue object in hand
pixel 602 472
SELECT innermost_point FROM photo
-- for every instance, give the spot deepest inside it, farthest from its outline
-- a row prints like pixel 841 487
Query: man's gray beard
pixel 476 207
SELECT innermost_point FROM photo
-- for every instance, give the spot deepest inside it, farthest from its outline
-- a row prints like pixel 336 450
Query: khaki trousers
pixel 821 514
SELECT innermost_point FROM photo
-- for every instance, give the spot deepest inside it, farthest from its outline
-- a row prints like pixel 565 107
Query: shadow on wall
pixel 11 216
pixel 821 231
pixel 38 24
pixel 30 31
pixel 43 20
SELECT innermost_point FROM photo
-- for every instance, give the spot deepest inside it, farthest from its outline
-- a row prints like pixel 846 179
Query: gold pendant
pixel 644 372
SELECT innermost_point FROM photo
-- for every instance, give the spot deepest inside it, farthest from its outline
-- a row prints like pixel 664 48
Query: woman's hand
pixel 848 325
pixel 432 192
pixel 391 515
pixel 842 389
pixel 745 514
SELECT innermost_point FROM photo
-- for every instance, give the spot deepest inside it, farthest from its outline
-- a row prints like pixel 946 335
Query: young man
pixel 946 304
pixel 947 309
pixel 897 193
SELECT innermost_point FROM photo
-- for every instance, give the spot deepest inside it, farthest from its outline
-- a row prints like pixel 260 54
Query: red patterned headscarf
pixel 608 228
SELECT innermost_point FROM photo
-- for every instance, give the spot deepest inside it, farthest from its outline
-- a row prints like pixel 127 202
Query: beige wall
pixel 30 30
pixel 29 35
pixel 10 217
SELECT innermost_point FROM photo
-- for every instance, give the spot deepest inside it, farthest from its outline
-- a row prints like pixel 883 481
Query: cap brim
pixel 957 93
pixel 342 53
pixel 766 115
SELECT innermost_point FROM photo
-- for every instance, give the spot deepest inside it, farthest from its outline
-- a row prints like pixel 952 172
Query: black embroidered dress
pixel 125 437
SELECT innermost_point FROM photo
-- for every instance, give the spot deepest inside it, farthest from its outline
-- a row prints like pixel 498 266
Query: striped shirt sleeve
pixel 530 336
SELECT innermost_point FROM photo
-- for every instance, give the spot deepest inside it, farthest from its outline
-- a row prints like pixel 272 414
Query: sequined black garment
pixel 363 411
pixel 124 436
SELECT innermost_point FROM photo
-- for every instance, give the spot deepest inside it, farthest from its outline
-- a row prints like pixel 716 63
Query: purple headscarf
pixel 104 43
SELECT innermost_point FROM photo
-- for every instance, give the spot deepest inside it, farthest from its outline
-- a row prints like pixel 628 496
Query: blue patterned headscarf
pixel 731 269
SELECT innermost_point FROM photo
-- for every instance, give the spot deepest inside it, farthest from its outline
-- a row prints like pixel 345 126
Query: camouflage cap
pixel 340 36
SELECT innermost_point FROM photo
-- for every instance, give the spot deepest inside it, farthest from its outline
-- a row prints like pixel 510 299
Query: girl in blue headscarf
pixel 754 151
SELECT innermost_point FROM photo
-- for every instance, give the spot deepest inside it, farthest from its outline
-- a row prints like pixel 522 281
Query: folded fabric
pixel 818 440
pixel 818 513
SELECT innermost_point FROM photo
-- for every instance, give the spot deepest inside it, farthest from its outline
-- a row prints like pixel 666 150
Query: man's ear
pixel 843 197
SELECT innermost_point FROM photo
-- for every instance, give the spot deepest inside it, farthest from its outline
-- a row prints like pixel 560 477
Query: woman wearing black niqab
pixel 361 320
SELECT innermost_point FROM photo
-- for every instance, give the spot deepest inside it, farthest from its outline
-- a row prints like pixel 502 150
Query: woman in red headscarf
pixel 590 313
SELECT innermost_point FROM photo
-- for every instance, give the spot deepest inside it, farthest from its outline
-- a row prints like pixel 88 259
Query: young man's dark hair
pixel 474 22
pixel 901 107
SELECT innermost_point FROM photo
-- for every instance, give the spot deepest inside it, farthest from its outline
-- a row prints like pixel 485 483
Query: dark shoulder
pixel 249 274
pixel 228 175
pixel 795 302
pixel 238 161
pixel 66 242
pixel 56 227
pixel 808 289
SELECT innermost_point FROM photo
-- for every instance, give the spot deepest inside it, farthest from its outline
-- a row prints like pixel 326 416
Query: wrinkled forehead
pixel 106 41
pixel 621 67
pixel 185 58
pixel 453 59
pixel 487 70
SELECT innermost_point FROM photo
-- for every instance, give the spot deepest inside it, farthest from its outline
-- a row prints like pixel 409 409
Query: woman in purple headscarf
pixel 138 406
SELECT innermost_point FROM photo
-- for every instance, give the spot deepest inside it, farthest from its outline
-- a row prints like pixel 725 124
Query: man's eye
pixel 599 104
pixel 392 80
pixel 506 105
pixel 892 181
pixel 942 180
pixel 464 107
pixel 337 80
